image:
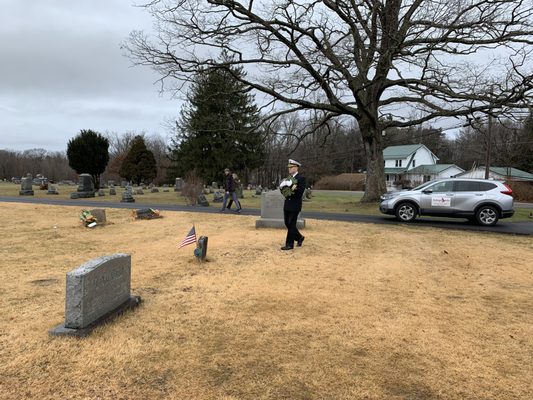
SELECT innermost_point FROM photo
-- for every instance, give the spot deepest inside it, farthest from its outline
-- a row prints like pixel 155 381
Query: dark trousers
pixel 233 197
pixel 293 234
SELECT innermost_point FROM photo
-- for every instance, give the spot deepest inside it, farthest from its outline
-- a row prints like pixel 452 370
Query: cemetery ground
pixel 361 311
pixel 321 201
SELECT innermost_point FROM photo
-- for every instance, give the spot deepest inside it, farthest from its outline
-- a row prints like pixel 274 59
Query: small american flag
pixel 189 239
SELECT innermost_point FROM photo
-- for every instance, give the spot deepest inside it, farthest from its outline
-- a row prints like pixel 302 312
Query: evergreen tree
pixel 217 128
pixel 139 164
pixel 88 153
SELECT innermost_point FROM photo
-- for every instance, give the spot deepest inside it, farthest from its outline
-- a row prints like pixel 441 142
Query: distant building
pixel 498 173
pixel 413 164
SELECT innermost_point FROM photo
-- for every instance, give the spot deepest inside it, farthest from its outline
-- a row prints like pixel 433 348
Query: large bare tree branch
pixel 362 58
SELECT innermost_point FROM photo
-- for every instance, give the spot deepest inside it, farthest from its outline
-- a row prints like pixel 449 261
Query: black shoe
pixel 239 211
pixel 287 248
pixel 299 242
pixel 221 210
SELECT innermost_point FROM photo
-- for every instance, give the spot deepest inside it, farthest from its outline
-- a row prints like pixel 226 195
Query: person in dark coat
pixel 229 186
pixel 292 188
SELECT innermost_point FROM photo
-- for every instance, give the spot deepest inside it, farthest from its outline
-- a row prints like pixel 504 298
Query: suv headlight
pixel 387 196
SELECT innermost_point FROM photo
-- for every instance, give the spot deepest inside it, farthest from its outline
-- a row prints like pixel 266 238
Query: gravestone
pixel 218 197
pixel 201 251
pixel 52 190
pixel 214 185
pixel 99 214
pixel 154 190
pixel 258 191
pixel 139 191
pixel 112 191
pixel 272 211
pixel 239 191
pixel 101 192
pixel 179 185
pixel 85 187
pixel 203 201
pixel 127 197
pixel 95 292
pixel 123 184
pixel 26 188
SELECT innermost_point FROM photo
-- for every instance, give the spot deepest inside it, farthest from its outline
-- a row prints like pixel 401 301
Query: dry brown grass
pixel 359 312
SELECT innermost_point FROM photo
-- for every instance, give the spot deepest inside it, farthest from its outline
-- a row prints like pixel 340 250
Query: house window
pixel 427 178
pixel 398 163
pixel 414 163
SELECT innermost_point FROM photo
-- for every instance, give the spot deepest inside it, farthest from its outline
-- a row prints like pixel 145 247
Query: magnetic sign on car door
pixel 440 201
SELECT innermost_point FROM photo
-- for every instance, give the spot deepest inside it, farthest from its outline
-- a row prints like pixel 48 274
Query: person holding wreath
pixel 292 188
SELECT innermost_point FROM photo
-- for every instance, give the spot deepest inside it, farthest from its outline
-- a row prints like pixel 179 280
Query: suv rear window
pixel 473 186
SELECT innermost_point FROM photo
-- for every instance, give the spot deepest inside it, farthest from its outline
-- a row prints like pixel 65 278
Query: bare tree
pixel 367 59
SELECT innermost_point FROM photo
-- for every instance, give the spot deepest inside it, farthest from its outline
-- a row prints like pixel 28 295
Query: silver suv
pixel 484 201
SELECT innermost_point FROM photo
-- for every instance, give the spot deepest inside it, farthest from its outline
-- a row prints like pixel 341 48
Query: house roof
pixel 432 169
pixel 397 152
pixel 395 170
pixel 504 172
pixel 511 172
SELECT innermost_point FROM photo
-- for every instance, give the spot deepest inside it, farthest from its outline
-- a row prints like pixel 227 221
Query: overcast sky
pixel 62 70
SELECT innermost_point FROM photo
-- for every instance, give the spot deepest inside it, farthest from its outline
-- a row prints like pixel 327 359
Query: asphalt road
pixel 503 226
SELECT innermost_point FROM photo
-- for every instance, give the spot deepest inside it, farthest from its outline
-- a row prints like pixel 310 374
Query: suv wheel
pixel 406 212
pixel 487 216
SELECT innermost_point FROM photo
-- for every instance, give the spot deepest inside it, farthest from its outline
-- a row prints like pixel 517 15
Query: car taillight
pixel 508 192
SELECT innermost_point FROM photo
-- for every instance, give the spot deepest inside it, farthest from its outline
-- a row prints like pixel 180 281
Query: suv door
pixel 437 198
pixel 468 194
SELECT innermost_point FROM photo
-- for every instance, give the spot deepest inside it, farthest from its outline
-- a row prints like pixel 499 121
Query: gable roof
pixel 432 169
pixel 397 152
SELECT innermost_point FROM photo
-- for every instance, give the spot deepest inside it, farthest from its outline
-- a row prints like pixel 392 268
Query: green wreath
pixel 288 186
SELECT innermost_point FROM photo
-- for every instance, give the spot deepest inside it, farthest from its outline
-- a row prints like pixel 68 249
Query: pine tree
pixel 88 153
pixel 139 165
pixel 217 128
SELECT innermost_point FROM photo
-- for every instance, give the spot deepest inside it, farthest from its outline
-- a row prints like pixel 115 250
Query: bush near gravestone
pixel 192 188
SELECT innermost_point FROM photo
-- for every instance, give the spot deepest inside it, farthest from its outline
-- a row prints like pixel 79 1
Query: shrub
pixel 341 182
pixel 522 191
pixel 192 188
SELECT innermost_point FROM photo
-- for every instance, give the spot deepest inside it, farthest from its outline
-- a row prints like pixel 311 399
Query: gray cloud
pixel 63 70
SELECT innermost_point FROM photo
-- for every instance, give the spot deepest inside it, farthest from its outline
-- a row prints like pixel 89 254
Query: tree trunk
pixel 375 165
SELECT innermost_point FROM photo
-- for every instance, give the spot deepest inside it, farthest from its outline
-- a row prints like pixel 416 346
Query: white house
pixel 498 173
pixel 413 164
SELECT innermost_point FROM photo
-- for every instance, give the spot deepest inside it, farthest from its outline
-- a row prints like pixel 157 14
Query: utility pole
pixel 489 138
pixel 489 141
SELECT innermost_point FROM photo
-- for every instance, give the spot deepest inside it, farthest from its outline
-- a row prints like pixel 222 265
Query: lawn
pixel 322 201
pixel 361 311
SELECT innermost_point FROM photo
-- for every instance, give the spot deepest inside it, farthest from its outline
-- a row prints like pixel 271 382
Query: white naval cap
pixel 294 163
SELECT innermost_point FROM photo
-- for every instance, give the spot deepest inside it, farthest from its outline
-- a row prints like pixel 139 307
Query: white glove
pixel 285 182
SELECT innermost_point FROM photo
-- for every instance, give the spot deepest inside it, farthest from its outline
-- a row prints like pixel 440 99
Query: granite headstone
pixel 95 292
pixel 272 211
